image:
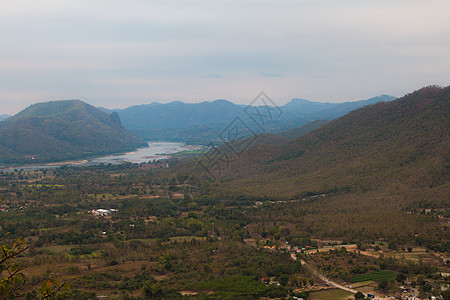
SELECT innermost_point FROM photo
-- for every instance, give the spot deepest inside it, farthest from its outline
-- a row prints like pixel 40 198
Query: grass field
pixel 375 276
pixel 334 294
pixel 188 153
pixel 363 284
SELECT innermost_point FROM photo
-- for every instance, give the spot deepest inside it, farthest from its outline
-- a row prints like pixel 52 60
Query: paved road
pixel 323 278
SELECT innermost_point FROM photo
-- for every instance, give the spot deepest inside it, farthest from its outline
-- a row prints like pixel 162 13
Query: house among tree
pixel 102 212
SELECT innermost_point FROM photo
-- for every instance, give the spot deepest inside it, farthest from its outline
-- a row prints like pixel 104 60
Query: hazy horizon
pixel 118 53
pixel 201 101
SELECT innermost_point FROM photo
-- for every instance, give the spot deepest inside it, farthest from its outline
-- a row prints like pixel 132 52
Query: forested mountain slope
pixel 390 147
pixel 302 130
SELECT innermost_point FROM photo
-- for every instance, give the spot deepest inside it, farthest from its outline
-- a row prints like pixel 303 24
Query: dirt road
pixel 323 278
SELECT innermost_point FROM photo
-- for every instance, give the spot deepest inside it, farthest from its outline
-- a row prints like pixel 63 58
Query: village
pixel 324 285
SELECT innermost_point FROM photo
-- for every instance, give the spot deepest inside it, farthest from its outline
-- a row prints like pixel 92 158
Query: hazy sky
pixel 116 53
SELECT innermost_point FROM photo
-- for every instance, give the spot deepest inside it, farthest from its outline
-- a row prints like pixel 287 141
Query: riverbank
pixel 155 151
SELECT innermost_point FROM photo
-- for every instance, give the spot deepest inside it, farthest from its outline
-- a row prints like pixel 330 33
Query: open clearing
pixel 375 276
pixel 333 294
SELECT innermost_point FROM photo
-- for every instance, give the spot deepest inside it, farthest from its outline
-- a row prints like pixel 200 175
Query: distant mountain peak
pixel 298 100
pixel 222 101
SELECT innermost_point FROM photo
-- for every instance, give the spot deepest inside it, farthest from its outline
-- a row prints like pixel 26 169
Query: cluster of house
pixel 410 294
pixel 294 249
pixel 103 212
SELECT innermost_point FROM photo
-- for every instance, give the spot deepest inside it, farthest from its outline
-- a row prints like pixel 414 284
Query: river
pixel 154 151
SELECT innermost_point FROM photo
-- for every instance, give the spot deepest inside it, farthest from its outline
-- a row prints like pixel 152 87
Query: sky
pixel 117 53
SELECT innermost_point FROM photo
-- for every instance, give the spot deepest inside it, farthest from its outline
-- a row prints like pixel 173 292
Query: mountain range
pixel 202 122
pixel 71 129
pixel 62 130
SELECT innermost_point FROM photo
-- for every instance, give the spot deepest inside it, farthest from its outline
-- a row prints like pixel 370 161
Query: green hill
pixel 61 130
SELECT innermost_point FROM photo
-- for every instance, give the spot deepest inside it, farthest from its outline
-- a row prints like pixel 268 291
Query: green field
pixel 188 153
pixel 375 276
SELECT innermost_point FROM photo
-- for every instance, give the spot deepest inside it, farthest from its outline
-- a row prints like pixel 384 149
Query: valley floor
pixel 121 232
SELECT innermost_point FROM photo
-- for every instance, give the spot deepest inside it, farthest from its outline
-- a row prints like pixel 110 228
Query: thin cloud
pixel 214 76
pixel 114 50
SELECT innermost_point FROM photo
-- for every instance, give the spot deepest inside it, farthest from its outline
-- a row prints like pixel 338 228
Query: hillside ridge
pixel 62 130
pixel 387 146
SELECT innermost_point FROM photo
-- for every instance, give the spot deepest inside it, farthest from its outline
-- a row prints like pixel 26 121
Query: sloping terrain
pixel 60 130
pixel 302 130
pixel 390 147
